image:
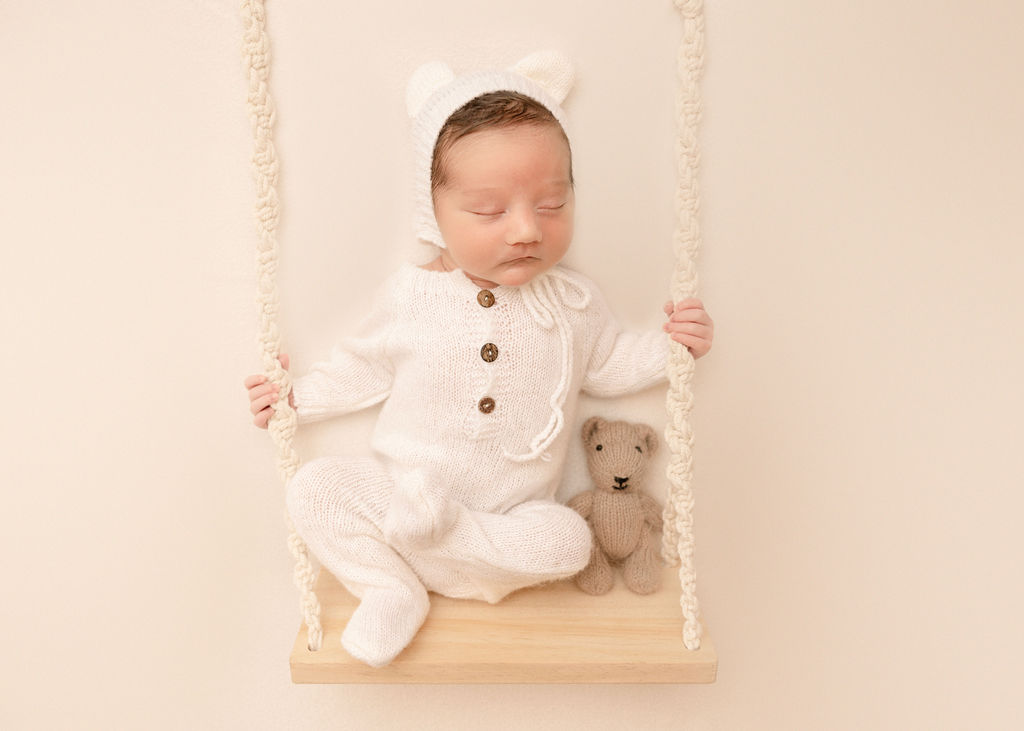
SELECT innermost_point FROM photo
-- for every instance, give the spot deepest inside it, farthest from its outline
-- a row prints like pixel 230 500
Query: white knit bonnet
pixel 435 92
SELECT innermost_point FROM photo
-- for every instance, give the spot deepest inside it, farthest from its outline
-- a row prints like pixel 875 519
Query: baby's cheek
pixel 563 230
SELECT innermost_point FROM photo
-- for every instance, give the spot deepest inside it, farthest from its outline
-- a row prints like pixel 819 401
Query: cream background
pixel 858 422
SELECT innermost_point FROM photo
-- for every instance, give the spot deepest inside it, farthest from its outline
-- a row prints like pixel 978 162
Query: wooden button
pixel 489 352
pixel 485 297
pixel 486 404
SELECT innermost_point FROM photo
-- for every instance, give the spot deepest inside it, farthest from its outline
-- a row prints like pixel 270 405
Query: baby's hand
pixel 263 395
pixel 689 324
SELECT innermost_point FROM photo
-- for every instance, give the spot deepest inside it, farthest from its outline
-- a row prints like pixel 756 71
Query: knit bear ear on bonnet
pixel 435 92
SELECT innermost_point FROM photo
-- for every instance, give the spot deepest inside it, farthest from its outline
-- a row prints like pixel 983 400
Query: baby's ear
pixel 424 81
pixel 551 70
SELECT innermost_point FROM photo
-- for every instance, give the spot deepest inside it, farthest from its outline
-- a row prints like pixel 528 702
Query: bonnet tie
pixel 546 298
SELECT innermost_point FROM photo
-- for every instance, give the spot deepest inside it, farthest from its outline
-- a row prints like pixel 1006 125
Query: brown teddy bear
pixel 620 515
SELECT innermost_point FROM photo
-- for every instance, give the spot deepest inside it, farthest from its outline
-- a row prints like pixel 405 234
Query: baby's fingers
pixel 262 390
pixel 254 380
pixel 258 404
pixel 690 328
pixel 262 419
pixel 691 314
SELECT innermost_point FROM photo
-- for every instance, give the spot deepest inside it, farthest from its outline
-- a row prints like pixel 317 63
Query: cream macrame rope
pixel 677 538
pixel 256 54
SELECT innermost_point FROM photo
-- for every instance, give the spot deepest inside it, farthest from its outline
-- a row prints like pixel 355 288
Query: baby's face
pixel 506 210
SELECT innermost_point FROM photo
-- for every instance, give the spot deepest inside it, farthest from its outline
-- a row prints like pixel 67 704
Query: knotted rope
pixel 677 538
pixel 256 55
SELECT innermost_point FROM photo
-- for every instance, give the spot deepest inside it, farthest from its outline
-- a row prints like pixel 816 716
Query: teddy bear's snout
pixel 621 483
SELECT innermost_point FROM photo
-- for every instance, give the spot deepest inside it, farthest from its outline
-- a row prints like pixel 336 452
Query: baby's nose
pixel 523 228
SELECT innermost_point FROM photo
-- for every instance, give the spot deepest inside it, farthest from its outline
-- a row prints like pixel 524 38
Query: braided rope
pixel 677 539
pixel 256 55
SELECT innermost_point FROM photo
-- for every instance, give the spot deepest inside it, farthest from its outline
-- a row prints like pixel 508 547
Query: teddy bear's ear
pixel 590 427
pixel 650 438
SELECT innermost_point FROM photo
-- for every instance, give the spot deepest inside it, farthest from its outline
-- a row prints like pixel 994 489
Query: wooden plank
pixel 548 634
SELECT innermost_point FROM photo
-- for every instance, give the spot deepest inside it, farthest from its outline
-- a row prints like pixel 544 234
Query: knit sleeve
pixel 621 362
pixel 357 375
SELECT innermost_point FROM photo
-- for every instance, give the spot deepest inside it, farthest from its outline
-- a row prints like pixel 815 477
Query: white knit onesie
pixel 477 386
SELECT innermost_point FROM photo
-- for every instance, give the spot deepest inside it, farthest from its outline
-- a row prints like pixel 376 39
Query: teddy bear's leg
pixel 597 577
pixel 642 569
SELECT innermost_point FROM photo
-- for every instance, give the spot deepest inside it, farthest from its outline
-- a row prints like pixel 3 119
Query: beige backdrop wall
pixel 858 422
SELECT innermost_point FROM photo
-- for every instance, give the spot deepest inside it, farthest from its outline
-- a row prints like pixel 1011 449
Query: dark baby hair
pixel 494 110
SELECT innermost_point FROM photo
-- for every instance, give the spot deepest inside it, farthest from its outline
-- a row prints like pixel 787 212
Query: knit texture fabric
pixel 621 516
pixel 345 510
pixel 476 386
pixel 420 351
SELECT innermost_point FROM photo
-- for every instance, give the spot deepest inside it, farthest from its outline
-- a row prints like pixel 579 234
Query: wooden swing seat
pixel 548 634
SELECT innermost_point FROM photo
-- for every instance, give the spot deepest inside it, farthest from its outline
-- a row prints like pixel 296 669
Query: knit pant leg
pixel 338 506
pixel 418 514
pixel 534 542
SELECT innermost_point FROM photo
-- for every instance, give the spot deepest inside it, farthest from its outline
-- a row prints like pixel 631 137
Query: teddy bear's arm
pixel 583 503
pixel 652 511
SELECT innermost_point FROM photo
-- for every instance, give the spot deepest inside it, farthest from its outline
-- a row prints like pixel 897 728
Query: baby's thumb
pixel 284 360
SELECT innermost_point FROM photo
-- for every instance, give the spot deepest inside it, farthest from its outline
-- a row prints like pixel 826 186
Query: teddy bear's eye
pixel 598 447
pixel 639 450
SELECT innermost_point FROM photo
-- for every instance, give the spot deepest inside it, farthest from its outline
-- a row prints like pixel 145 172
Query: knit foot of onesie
pixel 384 624
pixel 337 505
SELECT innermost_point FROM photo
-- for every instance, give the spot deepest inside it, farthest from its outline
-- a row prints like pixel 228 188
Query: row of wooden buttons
pixel 489 352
